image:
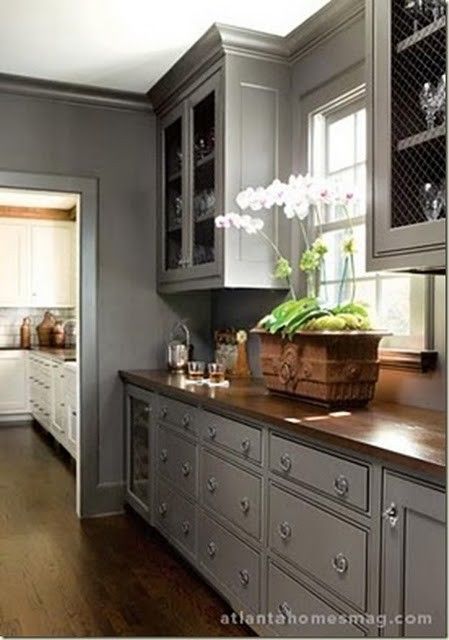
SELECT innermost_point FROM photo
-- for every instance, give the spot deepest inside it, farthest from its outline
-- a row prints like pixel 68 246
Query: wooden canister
pixel 45 329
pixel 58 334
pixel 25 333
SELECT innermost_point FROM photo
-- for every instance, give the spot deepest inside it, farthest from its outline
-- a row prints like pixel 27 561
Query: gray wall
pixel 240 308
pixel 118 147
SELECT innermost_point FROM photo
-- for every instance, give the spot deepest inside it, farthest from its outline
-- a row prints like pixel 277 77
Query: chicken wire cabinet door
pixel 138 451
pixel 414 559
pixel 407 140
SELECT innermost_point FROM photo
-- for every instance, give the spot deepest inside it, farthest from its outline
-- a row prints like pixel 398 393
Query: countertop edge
pixel 435 471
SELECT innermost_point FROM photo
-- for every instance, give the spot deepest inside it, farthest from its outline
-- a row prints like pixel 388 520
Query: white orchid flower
pixel 244 197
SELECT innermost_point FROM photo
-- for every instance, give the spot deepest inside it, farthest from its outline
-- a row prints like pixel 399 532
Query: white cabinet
pixel 71 400
pixel 13 382
pixel 14 263
pixel 37 263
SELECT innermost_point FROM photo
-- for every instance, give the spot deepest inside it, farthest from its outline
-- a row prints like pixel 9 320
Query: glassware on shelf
pixel 436 8
pixel 178 159
pixel 441 97
pixel 428 100
pixel 204 204
pixel 204 145
pixel 416 10
pixel 433 199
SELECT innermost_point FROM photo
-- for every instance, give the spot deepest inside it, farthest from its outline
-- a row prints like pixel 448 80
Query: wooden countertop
pixel 410 437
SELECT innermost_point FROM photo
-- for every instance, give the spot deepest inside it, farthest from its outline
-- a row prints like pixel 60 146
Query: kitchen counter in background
pixel 67 355
pixel 412 438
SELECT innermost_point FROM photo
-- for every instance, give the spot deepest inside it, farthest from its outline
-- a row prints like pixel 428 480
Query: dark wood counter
pixel 400 435
pixel 67 355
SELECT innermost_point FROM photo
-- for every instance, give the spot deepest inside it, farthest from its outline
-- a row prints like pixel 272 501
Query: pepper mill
pixel 25 333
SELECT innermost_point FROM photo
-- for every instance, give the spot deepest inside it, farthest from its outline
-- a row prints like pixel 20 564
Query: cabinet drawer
pixel 179 414
pixel 176 516
pixel 330 549
pixel 309 614
pixel 177 459
pixel 232 562
pixel 232 492
pixel 237 437
pixel 339 478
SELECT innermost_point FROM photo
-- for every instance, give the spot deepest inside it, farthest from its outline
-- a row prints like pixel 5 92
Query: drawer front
pixel 305 614
pixel 176 459
pixel 176 516
pixel 240 438
pixel 343 480
pixel 231 492
pixel 179 414
pixel 232 562
pixel 330 549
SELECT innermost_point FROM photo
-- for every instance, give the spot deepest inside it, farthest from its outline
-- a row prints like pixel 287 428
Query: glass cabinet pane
pixel 204 187
pixel 173 196
pixel 139 449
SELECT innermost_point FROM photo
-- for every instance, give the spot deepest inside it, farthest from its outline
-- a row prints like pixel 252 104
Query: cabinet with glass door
pixel 407 161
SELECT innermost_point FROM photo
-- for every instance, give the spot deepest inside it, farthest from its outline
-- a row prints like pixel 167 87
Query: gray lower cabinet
pixel 414 559
pixel 285 529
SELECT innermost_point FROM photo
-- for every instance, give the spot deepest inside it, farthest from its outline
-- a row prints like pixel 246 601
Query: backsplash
pixel 11 319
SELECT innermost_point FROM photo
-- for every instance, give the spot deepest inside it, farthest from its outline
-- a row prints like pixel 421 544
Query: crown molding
pixel 73 93
pixel 326 23
pixel 219 40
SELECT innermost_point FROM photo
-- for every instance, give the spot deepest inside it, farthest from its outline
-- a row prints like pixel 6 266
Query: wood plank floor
pixel 100 577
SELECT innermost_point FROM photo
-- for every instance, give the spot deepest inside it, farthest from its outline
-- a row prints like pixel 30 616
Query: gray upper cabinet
pixel 223 125
pixel 414 559
pixel 407 136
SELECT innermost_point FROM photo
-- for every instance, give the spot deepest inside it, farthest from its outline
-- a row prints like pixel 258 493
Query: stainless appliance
pixel 178 349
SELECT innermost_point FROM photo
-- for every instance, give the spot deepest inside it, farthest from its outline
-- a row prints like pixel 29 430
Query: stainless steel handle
pixel 163 412
pixel 245 445
pixel 186 468
pixel 285 609
pixel 341 485
pixel 212 432
pixel 340 563
pixel 185 527
pixel 391 515
pixel 212 484
pixel 284 530
pixel 186 420
pixel 285 462
pixel 163 508
pixel 211 549
pixel 163 455
pixel 244 505
pixel 244 577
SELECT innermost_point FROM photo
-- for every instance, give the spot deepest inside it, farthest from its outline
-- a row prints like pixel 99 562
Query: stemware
pixel 416 10
pixel 437 8
pixel 429 103
pixel 441 97
pixel 432 200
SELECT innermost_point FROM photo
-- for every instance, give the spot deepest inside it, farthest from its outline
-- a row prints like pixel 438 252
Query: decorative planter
pixel 333 368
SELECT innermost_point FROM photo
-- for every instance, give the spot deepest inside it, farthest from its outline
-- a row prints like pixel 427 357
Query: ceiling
pixel 124 44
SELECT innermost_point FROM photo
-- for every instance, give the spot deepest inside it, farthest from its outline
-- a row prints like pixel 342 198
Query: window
pixel 338 144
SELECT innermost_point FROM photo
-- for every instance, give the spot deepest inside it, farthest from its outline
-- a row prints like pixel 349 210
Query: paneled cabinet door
pixel 14 264
pixel 138 451
pixel 414 559
pixel 13 382
pixel 52 265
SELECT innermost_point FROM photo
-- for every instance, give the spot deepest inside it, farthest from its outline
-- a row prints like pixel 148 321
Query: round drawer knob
pixel 163 509
pixel 163 455
pixel 244 505
pixel 186 420
pixel 212 484
pixel 245 445
pixel 185 527
pixel 285 609
pixel 244 577
pixel 340 563
pixel 163 412
pixel 212 432
pixel 285 462
pixel 211 549
pixel 285 530
pixel 341 486
pixel 390 515
pixel 186 468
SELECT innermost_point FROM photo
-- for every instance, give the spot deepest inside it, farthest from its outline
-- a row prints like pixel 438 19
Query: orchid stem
pixel 280 256
pixel 342 281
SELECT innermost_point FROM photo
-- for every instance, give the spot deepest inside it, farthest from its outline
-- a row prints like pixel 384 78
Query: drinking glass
pixel 428 100
pixel 441 97
pixel 195 369
pixel 216 372
pixel 432 200
pixel 436 8
pixel 416 10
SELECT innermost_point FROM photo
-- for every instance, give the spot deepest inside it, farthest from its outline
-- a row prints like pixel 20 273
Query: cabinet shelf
pixel 173 177
pixel 422 137
pixel 210 216
pixel 205 160
pixel 420 35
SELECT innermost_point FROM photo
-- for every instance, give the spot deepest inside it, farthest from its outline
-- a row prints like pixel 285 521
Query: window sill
pixel 408 360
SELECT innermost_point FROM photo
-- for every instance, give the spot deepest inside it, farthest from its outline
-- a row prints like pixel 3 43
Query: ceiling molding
pixel 218 40
pixel 322 25
pixel 73 93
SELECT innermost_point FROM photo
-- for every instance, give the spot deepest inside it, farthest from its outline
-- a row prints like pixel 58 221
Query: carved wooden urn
pixel 338 369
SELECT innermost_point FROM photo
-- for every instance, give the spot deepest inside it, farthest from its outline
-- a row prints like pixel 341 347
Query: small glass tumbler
pixel 195 370
pixel 216 372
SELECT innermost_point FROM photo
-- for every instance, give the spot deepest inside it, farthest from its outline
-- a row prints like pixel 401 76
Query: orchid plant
pixel 300 198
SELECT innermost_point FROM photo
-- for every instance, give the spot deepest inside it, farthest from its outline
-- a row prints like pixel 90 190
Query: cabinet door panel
pixel 13 382
pixel 138 450
pixel 414 558
pixel 52 265
pixel 14 264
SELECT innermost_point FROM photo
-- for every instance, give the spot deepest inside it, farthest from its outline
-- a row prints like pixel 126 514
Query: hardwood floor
pixel 100 577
